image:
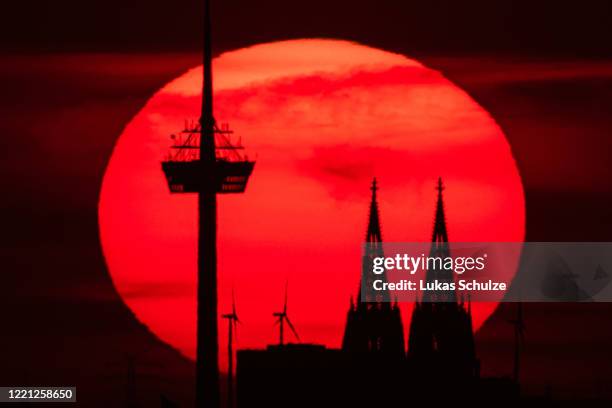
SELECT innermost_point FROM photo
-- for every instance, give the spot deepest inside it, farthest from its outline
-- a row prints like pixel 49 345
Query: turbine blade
pixel 292 328
pixel 286 290
pixel 233 303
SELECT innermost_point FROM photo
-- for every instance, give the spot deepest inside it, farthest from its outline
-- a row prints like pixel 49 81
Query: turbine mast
pixel 232 320
pixel 519 338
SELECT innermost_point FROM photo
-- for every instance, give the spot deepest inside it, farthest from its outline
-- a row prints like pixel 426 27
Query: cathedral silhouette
pixel 373 367
pixel 440 337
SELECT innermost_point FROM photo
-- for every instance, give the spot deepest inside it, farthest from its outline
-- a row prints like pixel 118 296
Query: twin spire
pixel 439 239
pixel 439 235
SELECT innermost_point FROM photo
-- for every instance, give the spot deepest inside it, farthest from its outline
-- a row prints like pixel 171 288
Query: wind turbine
pixel 282 318
pixel 232 320
pixel 519 339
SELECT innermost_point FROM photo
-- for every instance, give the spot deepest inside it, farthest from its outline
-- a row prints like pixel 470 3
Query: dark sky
pixel 542 68
pixel 550 26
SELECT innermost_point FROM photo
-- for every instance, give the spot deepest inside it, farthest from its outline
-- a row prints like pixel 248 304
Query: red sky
pixel 65 113
pixel 322 118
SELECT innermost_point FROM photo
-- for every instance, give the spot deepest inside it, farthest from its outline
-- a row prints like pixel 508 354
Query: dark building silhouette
pixel 441 336
pixel 374 324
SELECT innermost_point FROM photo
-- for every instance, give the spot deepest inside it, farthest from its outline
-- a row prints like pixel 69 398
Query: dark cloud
pixel 526 26
pixel 555 113
pixel 345 169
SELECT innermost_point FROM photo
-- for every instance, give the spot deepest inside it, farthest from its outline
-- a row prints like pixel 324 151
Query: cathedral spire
pixel 374 324
pixel 440 249
pixel 373 249
pixel 373 234
pixel 440 325
pixel 439 231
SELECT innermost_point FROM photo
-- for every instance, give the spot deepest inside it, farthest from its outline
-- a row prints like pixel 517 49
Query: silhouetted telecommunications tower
pixel 204 160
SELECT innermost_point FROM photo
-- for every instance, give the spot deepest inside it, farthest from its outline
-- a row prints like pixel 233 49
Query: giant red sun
pixel 322 117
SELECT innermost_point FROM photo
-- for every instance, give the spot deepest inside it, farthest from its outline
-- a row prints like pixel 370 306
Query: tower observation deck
pixel 183 169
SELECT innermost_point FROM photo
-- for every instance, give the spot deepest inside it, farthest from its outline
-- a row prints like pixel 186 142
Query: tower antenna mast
pixel 207 347
pixel 204 160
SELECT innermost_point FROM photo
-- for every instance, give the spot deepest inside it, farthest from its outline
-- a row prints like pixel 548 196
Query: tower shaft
pixel 207 348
